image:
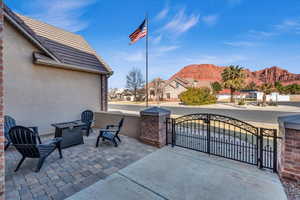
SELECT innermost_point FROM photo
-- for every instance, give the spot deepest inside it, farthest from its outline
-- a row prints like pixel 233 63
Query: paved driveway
pixel 180 174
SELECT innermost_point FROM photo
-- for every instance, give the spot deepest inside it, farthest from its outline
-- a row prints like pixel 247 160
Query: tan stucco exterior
pixel 173 90
pixel 40 95
pixel 131 126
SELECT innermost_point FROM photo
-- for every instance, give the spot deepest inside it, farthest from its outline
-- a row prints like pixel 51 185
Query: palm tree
pixel 216 87
pixel 233 78
pixel 251 86
pixel 266 88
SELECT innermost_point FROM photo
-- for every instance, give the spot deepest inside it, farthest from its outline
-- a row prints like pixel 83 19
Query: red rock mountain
pixel 207 73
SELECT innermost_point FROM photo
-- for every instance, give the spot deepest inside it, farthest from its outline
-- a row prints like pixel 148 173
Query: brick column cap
pixel 290 122
pixel 155 111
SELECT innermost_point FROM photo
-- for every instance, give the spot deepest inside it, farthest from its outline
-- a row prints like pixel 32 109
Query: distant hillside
pixel 209 73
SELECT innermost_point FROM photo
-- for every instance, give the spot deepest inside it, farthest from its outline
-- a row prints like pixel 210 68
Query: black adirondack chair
pixel 87 117
pixel 10 122
pixel 110 133
pixel 25 141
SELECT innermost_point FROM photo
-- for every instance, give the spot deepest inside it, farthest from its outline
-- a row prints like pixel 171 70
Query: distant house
pixel 155 89
pixel 174 87
pixel 225 95
pixel 51 75
pixel 120 94
pixel 115 93
pixel 258 96
pixel 274 96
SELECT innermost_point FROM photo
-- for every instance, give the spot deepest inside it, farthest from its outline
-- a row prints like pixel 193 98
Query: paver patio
pixel 181 174
pixel 81 166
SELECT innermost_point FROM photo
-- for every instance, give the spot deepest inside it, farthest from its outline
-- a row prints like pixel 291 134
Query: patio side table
pixel 71 133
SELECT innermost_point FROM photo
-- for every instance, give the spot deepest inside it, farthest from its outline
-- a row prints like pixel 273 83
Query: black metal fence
pixel 226 137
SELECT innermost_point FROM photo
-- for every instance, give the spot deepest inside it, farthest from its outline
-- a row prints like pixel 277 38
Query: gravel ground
pixel 292 190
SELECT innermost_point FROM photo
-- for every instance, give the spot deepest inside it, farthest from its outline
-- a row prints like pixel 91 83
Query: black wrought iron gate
pixel 226 137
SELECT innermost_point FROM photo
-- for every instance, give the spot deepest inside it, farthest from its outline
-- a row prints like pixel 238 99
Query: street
pixel 244 115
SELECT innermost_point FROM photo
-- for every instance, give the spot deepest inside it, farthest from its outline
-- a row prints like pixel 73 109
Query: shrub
pixel 241 102
pixel 197 96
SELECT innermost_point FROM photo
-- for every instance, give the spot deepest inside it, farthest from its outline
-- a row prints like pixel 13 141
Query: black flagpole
pixel 147 60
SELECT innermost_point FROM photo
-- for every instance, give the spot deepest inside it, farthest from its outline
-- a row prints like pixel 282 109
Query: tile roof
pixel 61 45
pixel 181 81
pixel 72 56
pixel 56 34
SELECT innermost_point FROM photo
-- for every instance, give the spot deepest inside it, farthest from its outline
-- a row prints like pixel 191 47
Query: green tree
pixel 266 88
pixel 197 96
pixel 279 87
pixel 216 87
pixel 292 89
pixel 251 86
pixel 135 81
pixel 233 78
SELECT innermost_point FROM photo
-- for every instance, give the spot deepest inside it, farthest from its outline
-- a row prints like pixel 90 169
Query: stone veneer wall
pixel 103 93
pixel 2 164
pixel 153 126
pixel 289 159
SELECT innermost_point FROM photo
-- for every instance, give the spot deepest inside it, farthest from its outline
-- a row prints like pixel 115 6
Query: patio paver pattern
pixel 81 166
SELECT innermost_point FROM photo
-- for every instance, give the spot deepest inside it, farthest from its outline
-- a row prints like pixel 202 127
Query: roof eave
pixel 68 67
pixel 174 79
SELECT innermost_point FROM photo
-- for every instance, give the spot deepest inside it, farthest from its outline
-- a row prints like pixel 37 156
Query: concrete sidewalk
pixel 180 174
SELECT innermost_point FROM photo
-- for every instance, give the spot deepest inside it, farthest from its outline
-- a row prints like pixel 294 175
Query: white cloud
pixel 289 25
pixel 261 34
pixel 162 14
pixel 65 14
pixel 241 44
pixel 181 22
pixel 165 49
pixel 210 19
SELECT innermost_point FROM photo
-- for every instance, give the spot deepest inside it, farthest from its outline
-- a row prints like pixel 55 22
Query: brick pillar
pixel 2 160
pixel 105 98
pixel 103 93
pixel 153 126
pixel 289 154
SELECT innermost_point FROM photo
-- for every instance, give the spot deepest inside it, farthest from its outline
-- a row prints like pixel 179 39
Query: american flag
pixel 139 33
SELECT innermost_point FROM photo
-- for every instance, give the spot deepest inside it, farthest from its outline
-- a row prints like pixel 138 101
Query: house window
pixel 177 85
pixel 168 96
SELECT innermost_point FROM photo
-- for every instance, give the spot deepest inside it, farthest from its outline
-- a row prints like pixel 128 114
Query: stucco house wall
pixel 173 90
pixel 221 97
pixel 40 95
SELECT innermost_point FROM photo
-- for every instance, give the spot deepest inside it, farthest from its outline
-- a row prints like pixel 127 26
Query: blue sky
pixel 252 33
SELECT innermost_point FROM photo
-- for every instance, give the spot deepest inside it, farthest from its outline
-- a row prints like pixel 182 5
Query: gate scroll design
pixel 226 137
